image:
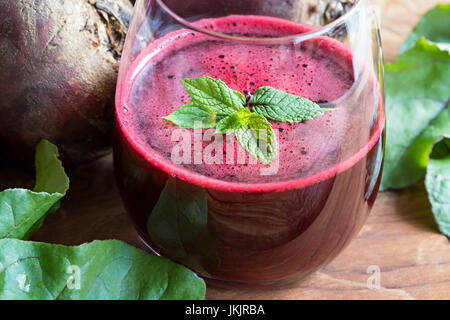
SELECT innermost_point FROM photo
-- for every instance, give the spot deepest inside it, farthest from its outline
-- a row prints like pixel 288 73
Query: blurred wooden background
pixel 400 236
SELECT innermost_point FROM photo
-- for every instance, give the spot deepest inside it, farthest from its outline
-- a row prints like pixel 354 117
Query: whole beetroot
pixel 59 61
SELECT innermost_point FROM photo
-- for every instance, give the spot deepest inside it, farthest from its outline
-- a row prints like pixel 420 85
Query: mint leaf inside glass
pixel 215 105
pixel 214 95
pixel 281 106
pixel 190 114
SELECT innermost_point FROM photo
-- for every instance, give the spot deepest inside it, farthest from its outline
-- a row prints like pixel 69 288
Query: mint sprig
pixel 190 114
pixel 281 106
pixel 215 105
pixel 214 94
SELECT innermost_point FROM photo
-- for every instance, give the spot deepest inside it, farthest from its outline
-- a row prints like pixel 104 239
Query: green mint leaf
pixel 230 123
pixel 244 115
pixel 178 224
pixel 190 114
pixel 103 270
pixel 434 26
pixel 261 146
pixel 416 90
pixel 214 95
pixel 253 132
pixel 217 106
pixel 23 211
pixel 281 106
pixel 437 183
pixel 262 127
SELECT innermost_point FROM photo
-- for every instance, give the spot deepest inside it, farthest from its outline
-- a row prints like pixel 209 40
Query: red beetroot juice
pixel 228 221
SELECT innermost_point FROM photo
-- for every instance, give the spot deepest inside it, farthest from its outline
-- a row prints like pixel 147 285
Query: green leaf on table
pixel 106 270
pixel 23 211
pixel 417 96
pixel 178 225
pixel 214 94
pixel 434 26
pixel 50 174
pixel 437 183
pixel 281 106
pixel 190 114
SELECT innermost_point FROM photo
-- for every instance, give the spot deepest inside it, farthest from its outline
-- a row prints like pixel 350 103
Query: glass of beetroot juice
pixel 286 181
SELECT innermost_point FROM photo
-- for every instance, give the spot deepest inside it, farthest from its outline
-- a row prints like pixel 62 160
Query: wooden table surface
pixel 400 236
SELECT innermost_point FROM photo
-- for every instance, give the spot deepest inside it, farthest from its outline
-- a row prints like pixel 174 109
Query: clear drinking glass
pixel 218 211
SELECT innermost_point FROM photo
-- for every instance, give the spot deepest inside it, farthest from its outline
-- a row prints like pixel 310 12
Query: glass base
pixel 286 283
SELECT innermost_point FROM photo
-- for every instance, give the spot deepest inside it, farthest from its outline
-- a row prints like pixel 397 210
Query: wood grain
pixel 400 236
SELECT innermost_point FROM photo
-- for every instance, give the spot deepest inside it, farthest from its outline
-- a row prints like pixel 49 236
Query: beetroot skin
pixel 59 61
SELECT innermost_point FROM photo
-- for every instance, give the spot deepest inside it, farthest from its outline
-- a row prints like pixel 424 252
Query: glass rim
pixel 295 38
